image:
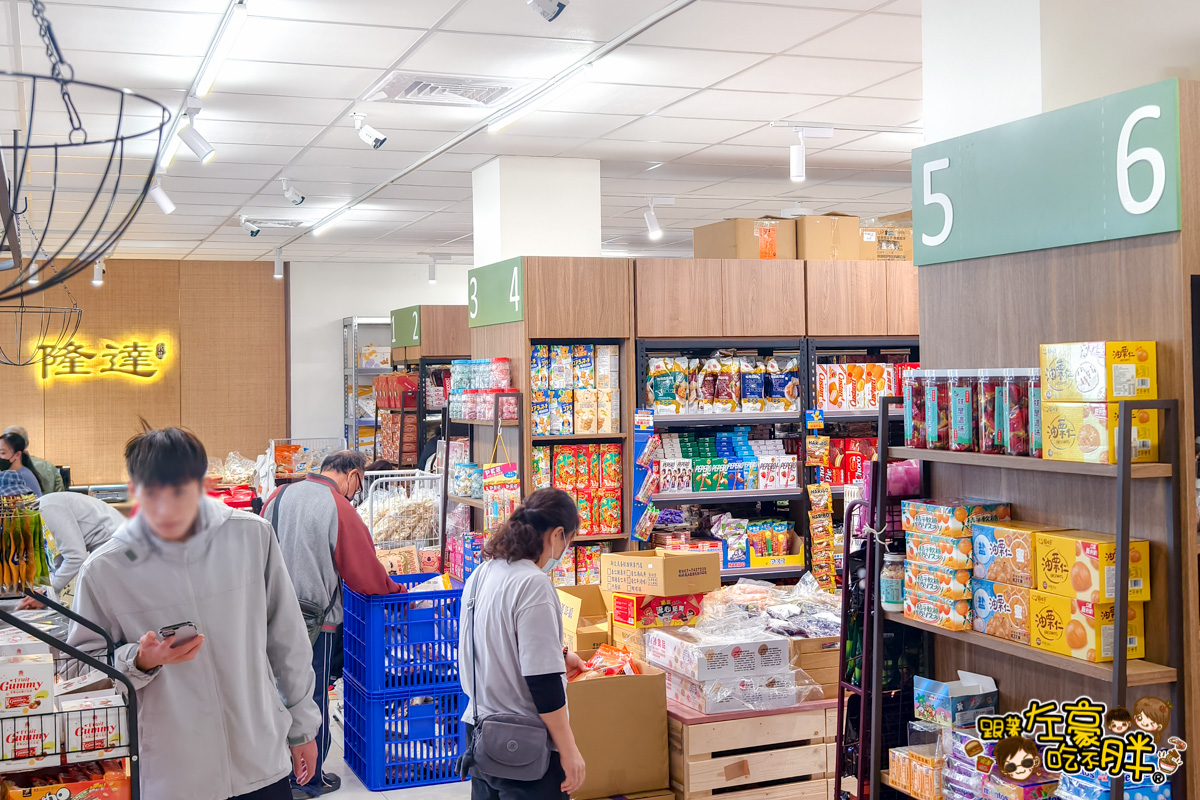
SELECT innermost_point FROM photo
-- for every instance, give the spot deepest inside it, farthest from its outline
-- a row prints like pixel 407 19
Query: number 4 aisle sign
pixel 1106 169
pixel 495 293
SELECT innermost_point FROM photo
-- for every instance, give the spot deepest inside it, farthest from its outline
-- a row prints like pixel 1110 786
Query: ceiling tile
pixel 783 136
pixel 591 21
pixel 906 87
pixel 737 154
pixel 506 144
pixel 883 37
pixel 895 142
pixel 858 159
pixel 343 135
pixel 270 108
pixel 136 72
pixel 113 29
pixel 670 67
pixel 760 106
pixel 495 56
pixel 866 111
pixel 326 43
pixel 219 131
pixel 838 5
pixel 814 75
pixel 741 27
pixel 630 150
pixel 568 124
pixel 293 80
pixel 425 117
pixel 373 13
pixel 615 98
pixel 669 129
pixel 903 7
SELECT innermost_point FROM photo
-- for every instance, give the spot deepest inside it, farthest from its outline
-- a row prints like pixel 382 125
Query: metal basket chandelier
pixel 74 172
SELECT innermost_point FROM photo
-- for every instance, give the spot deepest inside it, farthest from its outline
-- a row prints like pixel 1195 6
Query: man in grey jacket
pixel 218 713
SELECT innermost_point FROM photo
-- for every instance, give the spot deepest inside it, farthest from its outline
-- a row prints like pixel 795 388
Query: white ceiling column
pixel 536 207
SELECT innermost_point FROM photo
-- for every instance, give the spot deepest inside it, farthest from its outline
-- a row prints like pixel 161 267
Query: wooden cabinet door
pixel 903 317
pixel 678 297
pixel 847 298
pixel 763 298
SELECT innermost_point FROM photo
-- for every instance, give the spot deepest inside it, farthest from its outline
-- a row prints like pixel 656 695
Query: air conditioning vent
pixel 277 223
pixel 445 90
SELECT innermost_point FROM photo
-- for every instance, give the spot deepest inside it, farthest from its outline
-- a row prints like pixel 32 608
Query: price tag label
pixel 495 293
pixel 814 419
pixel 406 327
pixel 643 419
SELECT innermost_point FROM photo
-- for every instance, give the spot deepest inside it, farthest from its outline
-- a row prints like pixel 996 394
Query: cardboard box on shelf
pixel 1083 565
pixel 584 617
pixel 830 237
pixel 620 726
pixel 944 582
pixel 699 656
pixel 885 244
pixel 631 638
pixel 1099 372
pixel 1087 432
pixel 1069 627
pixel 660 572
pixel 373 356
pixel 814 653
pixel 640 611
pixel 953 615
pixel 938 551
pixel 765 238
pixel 1003 551
pixel 957 702
pixel 951 517
pixel 26 685
pixel 1001 610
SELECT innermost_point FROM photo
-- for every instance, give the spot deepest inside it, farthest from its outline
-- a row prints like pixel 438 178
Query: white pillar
pixel 536 207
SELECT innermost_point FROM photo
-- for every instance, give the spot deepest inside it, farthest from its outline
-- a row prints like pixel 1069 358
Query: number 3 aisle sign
pixel 495 293
pixel 1106 169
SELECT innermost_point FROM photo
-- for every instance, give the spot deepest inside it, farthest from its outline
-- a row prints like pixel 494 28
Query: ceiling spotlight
pixel 34 280
pixel 799 170
pixel 98 272
pixel 433 272
pixel 291 194
pixel 159 196
pixel 652 227
pixel 197 144
pixel 366 132
pixel 249 227
pixel 278 264
pixel 549 9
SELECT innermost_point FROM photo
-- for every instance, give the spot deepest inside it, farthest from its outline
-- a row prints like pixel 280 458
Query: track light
pixel 98 272
pixel 278 264
pixel 34 280
pixel 249 227
pixel 197 144
pixel 799 169
pixel 291 193
pixel 366 132
pixel 652 227
pixel 160 198
pixel 233 23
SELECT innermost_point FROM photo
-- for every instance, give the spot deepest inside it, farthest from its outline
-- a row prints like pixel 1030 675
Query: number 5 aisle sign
pixel 1106 169
pixel 495 293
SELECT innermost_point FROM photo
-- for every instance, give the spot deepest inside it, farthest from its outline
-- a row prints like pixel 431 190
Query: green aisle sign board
pixel 1106 169
pixel 495 293
pixel 406 327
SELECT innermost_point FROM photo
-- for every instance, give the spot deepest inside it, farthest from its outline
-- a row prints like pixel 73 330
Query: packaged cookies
pixel 608 411
pixel 728 398
pixel 539 412
pixel 563 476
pixel 1091 372
pixel 585 411
pixel 562 412
pixel 583 365
pixel 951 517
pixel 608 367
pixel 1083 565
pixel 1004 550
pixel 1087 432
pixel 753 375
pixel 539 368
pixel 562 373
pixel 1001 610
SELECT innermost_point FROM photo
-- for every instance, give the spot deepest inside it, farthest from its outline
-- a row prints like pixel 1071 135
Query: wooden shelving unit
pixel 1137 471
pixel 740 496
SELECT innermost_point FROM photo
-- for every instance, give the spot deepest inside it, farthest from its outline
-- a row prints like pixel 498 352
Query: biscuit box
pixel 94 728
pixel 953 615
pixel 1003 551
pixel 955 703
pixel 1087 432
pixel 1068 627
pixel 938 551
pixel 951 517
pixel 951 584
pixel 1099 372
pixel 26 685
pixel 1001 610
pixel 704 657
pixel 640 611
pixel 1083 565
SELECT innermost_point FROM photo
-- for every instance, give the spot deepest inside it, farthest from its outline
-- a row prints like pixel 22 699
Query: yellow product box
pixel 953 615
pixel 1069 627
pixel 585 411
pixel 1087 432
pixel 1004 550
pixel 951 584
pixel 1097 372
pixel 1001 610
pixel 1083 565
pixel 898 764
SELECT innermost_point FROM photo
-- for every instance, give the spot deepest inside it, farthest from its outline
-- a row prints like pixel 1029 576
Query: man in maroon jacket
pixel 325 542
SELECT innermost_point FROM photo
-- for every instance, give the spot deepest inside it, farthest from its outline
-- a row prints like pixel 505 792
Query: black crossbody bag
pixel 509 746
pixel 314 615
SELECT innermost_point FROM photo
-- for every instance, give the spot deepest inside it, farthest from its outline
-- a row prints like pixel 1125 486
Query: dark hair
pixel 165 457
pixel 1007 748
pixel 1118 714
pixel 344 461
pixel 523 533
pixel 17 442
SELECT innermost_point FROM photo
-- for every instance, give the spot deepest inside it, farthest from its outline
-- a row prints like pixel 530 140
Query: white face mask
pixel 553 563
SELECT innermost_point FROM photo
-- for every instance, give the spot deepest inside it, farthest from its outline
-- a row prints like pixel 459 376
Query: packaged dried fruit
pixel 1016 412
pixel 914 409
pixel 964 427
pixel 937 409
pixel 990 394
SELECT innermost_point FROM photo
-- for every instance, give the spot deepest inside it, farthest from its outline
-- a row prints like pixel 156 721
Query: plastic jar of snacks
pixel 1016 412
pixel 891 582
pixel 914 408
pixel 472 404
pixel 1035 412
pixel 460 479
pixel 483 404
pixel 964 428
pixel 937 409
pixel 991 396
pixel 499 374
pixel 508 404
pixel 476 482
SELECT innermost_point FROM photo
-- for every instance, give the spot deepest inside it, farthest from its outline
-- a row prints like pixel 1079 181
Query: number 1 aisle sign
pixel 495 293
pixel 1106 169
pixel 406 327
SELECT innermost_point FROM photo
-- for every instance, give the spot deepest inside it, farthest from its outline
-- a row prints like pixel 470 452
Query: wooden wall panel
pixel 903 299
pixel 678 297
pixel 847 298
pixel 572 298
pixel 21 400
pixel 233 376
pixel 444 332
pixel 763 298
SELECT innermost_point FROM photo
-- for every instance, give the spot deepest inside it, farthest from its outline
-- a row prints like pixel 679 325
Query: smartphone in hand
pixel 180 633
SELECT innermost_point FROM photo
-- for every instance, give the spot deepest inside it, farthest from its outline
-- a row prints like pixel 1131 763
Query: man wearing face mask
pixel 325 542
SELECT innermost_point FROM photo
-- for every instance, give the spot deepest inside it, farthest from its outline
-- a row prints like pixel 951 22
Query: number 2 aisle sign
pixel 1106 169
pixel 494 293
pixel 406 327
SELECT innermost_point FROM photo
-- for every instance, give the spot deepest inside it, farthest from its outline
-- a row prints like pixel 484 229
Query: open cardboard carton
pixel 957 702
pixel 585 618
pixel 620 725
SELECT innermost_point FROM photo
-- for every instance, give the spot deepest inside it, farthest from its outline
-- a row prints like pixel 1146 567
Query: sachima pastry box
pixel 1083 565
pixel 1099 372
pixel 1004 550
pixel 1081 629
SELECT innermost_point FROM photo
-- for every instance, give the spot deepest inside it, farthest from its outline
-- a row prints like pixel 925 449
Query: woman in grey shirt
pixel 13 456
pixel 514 635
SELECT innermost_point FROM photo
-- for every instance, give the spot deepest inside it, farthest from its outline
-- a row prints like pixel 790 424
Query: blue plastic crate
pixel 401 642
pixel 403 741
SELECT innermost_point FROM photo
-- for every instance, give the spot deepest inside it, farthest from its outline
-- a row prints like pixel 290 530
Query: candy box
pixel 1083 565
pixel 953 615
pixel 898 768
pixel 1083 372
pixel 94 728
pixel 1087 432
pixel 26 685
pixel 1001 610
pixel 1068 627
pixel 33 740
pixel 16 643
pixel 951 584
pixel 562 372
pixel 610 466
pixel 564 469
pixel 562 412
pixel 955 703
pixel 951 517
pixel 583 365
pixel 1039 786
pixel 938 551
pixel 1004 550
pixel 957 741
pixel 640 611
pixel 703 656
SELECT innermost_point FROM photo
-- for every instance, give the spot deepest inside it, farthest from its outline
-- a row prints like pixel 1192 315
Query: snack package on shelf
pixel 562 370
pixel 728 397
pixel 752 693
pixel 753 377
pixel 1083 630
pixel 1087 432
pixel 949 584
pixel 562 412
pixel 583 365
pixel 1004 551
pixel 694 654
pixel 564 574
pixel 1001 610
pixel 94 728
pixel 501 494
pixel 951 517
pixel 608 367
pixel 1083 565
pixel 1099 372
pixel 607 661
pixel 541 461
pixel 539 368
pixel 955 703
pixel 954 615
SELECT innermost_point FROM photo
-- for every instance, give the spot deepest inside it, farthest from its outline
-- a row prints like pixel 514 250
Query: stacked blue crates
pixel 402 698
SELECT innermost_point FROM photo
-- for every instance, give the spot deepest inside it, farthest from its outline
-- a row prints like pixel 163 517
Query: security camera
pixel 249 227
pixel 549 9
pixel 291 194
pixel 367 133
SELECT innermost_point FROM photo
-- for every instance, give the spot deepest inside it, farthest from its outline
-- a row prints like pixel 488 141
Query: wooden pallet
pixel 777 755
pixel 661 794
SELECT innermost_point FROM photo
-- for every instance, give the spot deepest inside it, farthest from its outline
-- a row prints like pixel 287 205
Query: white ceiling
pixel 684 110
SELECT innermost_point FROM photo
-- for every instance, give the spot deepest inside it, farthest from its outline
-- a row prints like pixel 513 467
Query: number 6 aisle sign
pixel 1106 169
pixel 495 293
